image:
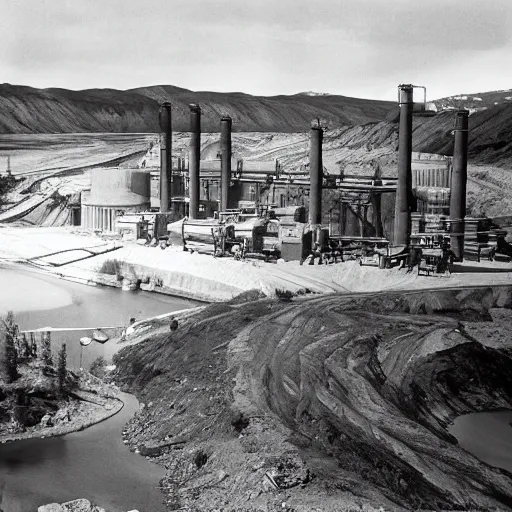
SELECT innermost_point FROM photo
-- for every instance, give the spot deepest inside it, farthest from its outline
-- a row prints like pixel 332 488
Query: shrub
pixel 98 367
pixel 111 268
pixel 284 295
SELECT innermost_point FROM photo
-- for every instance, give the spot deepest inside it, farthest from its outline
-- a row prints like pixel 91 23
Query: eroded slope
pixel 333 402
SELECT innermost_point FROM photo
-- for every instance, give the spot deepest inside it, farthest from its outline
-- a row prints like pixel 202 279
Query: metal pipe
pixel 225 161
pixel 458 185
pixel 165 120
pixel 404 197
pixel 315 176
pixel 194 155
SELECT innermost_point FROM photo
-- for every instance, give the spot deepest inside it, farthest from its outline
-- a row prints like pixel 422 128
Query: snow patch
pixel 313 93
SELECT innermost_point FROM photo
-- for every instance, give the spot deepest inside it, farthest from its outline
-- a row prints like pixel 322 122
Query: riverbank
pixel 90 403
pixel 204 278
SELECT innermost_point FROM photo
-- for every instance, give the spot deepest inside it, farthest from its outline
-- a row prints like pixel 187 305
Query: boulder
pixel 62 416
pixel 81 505
pixel 46 421
pixel 52 507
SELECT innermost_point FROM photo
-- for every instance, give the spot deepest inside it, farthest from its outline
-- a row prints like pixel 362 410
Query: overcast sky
pixel 361 48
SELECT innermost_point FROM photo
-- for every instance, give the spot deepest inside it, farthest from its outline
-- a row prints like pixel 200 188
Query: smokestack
pixel 225 162
pixel 458 185
pixel 404 199
pixel 315 175
pixel 194 155
pixel 165 155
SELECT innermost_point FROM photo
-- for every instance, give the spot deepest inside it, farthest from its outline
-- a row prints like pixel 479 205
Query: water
pixel 94 463
pixel 40 301
pixel 487 435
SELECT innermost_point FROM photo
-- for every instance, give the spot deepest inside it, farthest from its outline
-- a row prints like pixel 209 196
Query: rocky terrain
pixel 29 110
pixel 80 505
pixel 329 403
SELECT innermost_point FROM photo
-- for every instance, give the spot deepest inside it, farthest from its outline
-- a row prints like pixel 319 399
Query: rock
pixel 81 505
pixel 52 507
pixel 153 449
pixel 61 416
pixel 46 421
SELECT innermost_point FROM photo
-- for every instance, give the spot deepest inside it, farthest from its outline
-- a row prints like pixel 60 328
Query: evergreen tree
pixel 47 349
pixel 33 345
pixel 11 353
pixel 61 368
pixel 25 346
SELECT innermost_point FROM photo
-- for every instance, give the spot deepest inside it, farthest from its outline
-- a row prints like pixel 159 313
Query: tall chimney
pixel 404 199
pixel 225 162
pixel 165 155
pixel 315 176
pixel 458 185
pixel 194 155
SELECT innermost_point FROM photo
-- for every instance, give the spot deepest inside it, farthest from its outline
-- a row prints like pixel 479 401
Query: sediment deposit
pixel 327 403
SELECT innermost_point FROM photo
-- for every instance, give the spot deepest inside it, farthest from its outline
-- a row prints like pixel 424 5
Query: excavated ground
pixel 332 403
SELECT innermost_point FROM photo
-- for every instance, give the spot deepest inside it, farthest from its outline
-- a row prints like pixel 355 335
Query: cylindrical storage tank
pixel 165 121
pixel 404 197
pixel 315 175
pixel 193 160
pixel 225 155
pixel 458 185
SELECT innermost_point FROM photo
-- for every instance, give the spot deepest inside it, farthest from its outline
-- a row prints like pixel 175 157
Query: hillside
pixel 29 110
pixel 475 101
pixel 330 403
pixel 489 135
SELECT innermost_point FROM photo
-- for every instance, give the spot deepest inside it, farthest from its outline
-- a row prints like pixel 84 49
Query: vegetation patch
pixel 111 268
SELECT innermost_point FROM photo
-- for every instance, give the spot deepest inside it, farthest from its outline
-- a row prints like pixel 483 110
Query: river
pixel 94 463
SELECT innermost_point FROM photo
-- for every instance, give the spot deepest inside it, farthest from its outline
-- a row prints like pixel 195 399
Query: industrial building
pixel 114 192
pixel 425 203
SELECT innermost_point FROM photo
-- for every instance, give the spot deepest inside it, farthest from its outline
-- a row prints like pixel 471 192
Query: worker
pixel 174 324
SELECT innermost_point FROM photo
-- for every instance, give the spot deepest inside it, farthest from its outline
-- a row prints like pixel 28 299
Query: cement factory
pixel 254 209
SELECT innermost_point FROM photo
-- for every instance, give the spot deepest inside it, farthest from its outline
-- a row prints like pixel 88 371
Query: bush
pixel 111 268
pixel 98 367
pixel 284 295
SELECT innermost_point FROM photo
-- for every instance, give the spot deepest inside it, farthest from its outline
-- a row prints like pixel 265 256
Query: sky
pixel 358 48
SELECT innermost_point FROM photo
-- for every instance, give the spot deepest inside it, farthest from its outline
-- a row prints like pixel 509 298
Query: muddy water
pixel 487 435
pixel 94 463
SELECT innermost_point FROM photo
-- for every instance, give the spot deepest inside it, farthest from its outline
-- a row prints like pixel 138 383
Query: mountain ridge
pixel 56 110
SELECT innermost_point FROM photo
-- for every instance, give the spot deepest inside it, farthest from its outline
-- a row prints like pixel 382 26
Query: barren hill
pixel 475 101
pixel 489 134
pixel 29 110
pixel 332 403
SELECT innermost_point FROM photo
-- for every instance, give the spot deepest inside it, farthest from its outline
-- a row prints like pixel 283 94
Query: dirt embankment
pixel 328 404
